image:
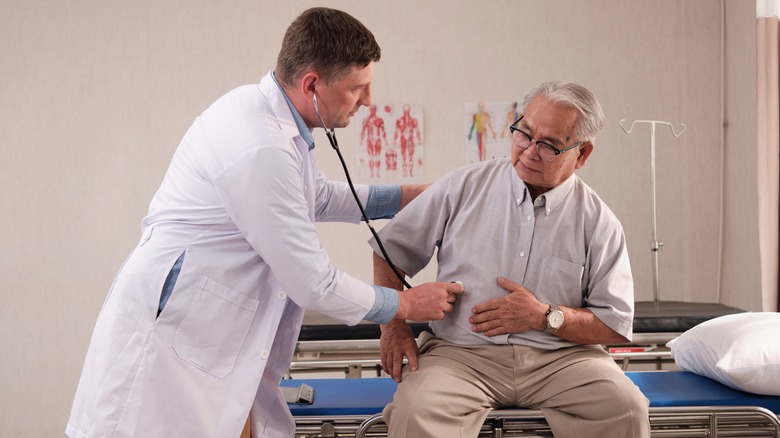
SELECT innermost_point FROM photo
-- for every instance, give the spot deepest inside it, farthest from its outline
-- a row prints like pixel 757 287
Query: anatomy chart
pixel 390 143
pixel 487 129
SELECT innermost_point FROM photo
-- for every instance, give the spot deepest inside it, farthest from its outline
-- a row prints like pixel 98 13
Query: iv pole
pixel 655 245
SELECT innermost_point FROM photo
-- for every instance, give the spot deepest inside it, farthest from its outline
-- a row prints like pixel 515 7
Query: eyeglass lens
pixel 522 140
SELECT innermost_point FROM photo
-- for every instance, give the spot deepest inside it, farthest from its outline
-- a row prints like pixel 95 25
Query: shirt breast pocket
pixel 561 282
pixel 215 328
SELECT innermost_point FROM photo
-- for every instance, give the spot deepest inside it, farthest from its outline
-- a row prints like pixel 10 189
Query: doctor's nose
pixel 365 97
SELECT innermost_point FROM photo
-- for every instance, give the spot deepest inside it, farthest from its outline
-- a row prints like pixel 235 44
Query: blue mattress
pixel 369 396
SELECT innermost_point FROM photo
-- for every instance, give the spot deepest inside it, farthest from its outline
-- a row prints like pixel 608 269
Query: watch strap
pixel 552 308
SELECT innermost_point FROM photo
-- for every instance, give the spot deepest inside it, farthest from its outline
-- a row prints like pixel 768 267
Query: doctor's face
pixel 340 100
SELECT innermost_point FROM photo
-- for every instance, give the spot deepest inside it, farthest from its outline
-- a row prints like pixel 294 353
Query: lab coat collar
pixel 304 130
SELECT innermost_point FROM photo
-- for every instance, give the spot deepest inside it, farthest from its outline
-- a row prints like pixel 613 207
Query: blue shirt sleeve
pixel 385 305
pixel 383 201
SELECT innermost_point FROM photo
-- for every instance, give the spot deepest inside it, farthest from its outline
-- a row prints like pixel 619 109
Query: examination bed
pixel 682 404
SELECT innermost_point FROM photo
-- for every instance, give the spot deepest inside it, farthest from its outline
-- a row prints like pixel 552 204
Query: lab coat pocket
pixel 214 330
pixel 560 279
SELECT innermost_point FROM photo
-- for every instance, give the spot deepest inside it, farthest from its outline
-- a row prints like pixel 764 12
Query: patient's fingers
pixel 386 364
pixel 487 306
pixel 412 358
pixel 398 366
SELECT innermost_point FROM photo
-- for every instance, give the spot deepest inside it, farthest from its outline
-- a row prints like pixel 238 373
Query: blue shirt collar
pixel 302 128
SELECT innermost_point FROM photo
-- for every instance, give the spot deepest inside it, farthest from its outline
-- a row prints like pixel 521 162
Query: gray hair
pixel 574 96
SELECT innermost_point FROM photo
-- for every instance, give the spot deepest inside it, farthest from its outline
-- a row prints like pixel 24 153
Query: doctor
pixel 201 322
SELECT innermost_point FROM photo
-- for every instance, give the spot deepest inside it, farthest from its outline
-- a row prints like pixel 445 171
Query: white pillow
pixel 740 350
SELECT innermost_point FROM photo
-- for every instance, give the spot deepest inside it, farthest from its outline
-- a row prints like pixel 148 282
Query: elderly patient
pixel 547 279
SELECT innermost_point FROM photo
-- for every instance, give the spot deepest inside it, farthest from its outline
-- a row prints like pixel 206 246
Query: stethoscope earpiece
pixel 322 122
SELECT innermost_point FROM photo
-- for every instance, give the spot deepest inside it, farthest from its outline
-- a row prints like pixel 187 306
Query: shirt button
pixel 522 253
pixel 530 217
pixel 548 211
pixel 264 355
pixel 519 202
pixel 282 296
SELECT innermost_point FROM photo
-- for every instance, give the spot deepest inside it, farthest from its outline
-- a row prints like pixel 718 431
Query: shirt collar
pixel 552 198
pixel 302 128
pixel 519 188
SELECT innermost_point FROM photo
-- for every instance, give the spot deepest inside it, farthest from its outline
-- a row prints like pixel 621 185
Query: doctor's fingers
pixel 427 302
pixel 454 288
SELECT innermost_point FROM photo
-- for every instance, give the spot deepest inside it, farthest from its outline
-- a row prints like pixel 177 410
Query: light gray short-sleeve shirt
pixel 567 248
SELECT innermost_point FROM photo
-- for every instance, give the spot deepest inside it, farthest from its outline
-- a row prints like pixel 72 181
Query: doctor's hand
pixel 397 341
pixel 517 312
pixel 428 302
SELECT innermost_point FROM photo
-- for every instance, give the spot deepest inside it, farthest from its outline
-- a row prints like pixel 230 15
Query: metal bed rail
pixel 372 345
pixel 326 364
pixel 688 421
pixel 354 355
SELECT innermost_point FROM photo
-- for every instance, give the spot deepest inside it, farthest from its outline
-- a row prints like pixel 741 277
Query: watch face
pixel 555 319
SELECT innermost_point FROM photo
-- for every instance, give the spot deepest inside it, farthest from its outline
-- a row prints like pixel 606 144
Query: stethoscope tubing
pixel 335 145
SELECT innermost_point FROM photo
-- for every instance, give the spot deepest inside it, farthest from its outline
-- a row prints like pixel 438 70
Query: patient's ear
pixel 585 151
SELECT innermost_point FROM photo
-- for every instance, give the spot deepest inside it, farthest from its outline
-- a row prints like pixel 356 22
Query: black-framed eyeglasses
pixel 546 151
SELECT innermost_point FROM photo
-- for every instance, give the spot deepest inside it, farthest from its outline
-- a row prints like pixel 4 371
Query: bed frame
pixel 326 345
pixel 682 404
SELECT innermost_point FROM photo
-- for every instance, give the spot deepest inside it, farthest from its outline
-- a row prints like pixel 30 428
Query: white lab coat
pixel 240 199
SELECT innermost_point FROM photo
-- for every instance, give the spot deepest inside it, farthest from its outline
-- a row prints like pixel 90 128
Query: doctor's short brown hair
pixel 329 41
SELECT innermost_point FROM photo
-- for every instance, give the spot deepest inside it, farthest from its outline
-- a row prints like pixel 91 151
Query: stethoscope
pixel 335 144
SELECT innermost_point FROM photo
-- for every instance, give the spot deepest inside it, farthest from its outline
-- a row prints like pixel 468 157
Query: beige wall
pixel 741 279
pixel 94 97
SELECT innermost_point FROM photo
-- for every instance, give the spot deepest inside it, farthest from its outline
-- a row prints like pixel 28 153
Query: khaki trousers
pixel 580 390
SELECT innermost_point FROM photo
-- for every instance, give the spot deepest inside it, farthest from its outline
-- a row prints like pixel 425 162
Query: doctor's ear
pixel 309 84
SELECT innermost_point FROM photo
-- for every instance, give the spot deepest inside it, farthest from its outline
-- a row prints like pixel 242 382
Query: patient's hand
pixel 397 340
pixel 517 312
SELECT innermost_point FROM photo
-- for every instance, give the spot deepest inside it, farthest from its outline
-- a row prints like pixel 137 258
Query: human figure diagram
pixel 511 117
pixel 373 134
pixel 480 122
pixel 406 128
